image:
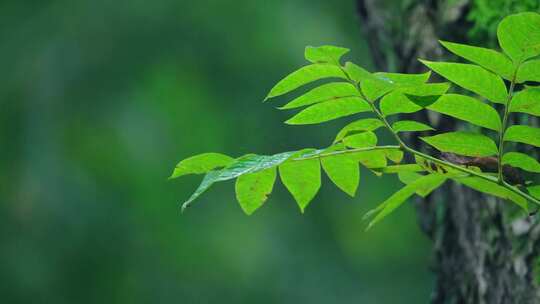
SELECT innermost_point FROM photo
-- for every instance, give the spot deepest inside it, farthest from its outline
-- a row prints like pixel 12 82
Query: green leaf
pixel 529 71
pixel 326 92
pixel 492 188
pixel 356 72
pixel 534 191
pixel 246 164
pixel 401 79
pixel 342 171
pixel 409 99
pixel 252 189
pixel 403 168
pixel 394 155
pixel 325 54
pixel 519 36
pixel 431 181
pixel 463 143
pixel 523 134
pixel 381 83
pixel 486 58
pixel 521 160
pixel 468 109
pixel 304 76
pixel 526 101
pixel 472 78
pixel 209 179
pixel 302 179
pixel 373 88
pixel 329 110
pixel 366 124
pixel 361 140
pixel 371 159
pixel 201 163
pixel 410 126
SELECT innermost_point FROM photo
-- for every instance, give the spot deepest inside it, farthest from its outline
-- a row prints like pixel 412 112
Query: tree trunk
pixel 482 252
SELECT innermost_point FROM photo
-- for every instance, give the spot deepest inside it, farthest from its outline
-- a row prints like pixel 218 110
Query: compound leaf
pixel 252 189
pixel 305 75
pixel 473 78
pixel 468 109
pixel 523 134
pixel 463 143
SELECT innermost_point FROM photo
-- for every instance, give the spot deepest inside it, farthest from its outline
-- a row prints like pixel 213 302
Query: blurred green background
pixel 100 99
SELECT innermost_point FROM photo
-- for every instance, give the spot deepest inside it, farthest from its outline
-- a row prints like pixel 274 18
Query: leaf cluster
pixel 498 85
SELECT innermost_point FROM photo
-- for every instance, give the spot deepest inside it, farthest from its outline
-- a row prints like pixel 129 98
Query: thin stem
pixel 503 128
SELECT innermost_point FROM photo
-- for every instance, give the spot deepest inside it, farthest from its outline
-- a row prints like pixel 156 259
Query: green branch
pixel 403 146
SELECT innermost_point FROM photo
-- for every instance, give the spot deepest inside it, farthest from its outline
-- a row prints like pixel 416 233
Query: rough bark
pixel 482 252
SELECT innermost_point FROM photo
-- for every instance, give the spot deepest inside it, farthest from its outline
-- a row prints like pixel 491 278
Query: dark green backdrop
pixel 100 99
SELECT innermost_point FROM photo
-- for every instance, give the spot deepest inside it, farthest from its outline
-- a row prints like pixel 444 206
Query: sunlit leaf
pixel 521 160
pixel 523 134
pixel 394 155
pixel 361 140
pixel 371 159
pixel 329 110
pixel 487 58
pixel 412 98
pixel 246 164
pixel 366 124
pixel 401 79
pixel 304 76
pixel 526 101
pixel 326 92
pixel 356 73
pixel 468 109
pixel 519 36
pixel 403 168
pixel 534 191
pixel 431 181
pixel 325 54
pixel 492 188
pixel 381 83
pixel 463 143
pixel 252 189
pixel 201 163
pixel 529 71
pixel 410 126
pixel 342 171
pixel 302 179
pixel 473 78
